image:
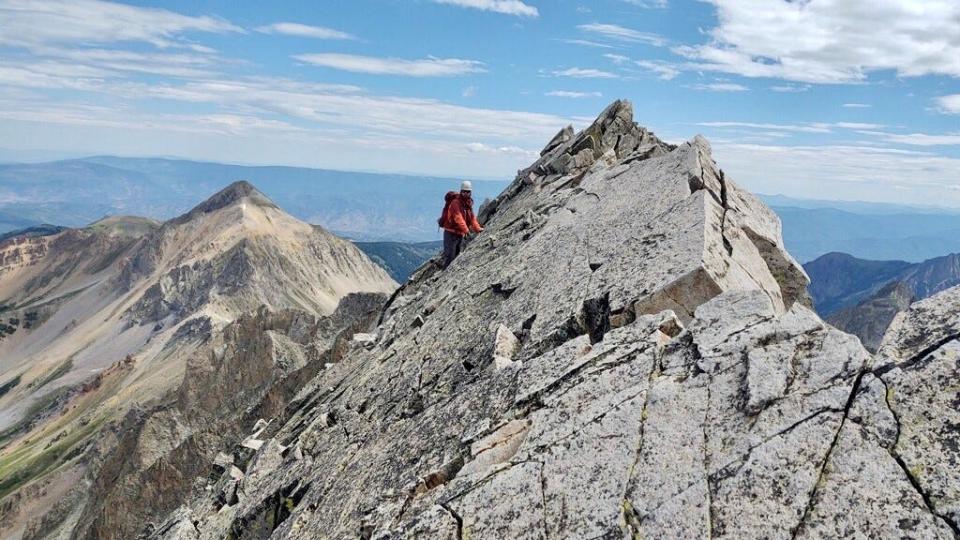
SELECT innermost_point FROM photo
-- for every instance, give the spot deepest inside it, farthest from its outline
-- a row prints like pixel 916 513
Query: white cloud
pixel 856 106
pixel 648 4
pixel 918 139
pixel 427 67
pixel 476 147
pixel 719 87
pixel 508 7
pixel 584 73
pixel 575 95
pixel 949 104
pixel 617 59
pixel 175 65
pixel 469 91
pixel 318 106
pixel 588 43
pixel 831 41
pixel 790 88
pixel 854 125
pixel 663 70
pixel 810 127
pixel 35 24
pixel 620 33
pixel 303 30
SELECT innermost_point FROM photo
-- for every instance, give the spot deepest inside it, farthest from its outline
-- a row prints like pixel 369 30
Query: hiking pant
pixel 452 243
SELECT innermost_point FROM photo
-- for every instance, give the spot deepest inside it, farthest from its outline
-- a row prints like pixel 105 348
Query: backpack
pixel 447 199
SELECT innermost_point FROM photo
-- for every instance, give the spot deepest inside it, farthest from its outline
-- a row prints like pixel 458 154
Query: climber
pixel 457 221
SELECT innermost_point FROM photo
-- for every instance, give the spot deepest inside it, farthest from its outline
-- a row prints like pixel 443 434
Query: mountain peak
pixel 231 195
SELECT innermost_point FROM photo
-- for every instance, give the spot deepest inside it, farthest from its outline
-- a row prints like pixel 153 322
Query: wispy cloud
pixel 508 7
pixel 427 67
pixel 809 127
pixel 856 106
pixel 949 104
pixel 574 95
pixel 303 30
pixel 853 125
pixel 584 73
pixel 481 148
pixel 917 139
pixel 663 70
pixel 35 24
pixel 617 59
pixel 648 4
pixel 620 33
pixel 774 127
pixel 588 43
pixel 790 88
pixel 719 87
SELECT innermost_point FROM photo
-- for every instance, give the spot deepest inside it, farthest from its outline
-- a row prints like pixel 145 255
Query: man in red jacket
pixel 457 221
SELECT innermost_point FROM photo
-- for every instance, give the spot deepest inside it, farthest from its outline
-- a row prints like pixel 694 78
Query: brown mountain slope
pixel 107 316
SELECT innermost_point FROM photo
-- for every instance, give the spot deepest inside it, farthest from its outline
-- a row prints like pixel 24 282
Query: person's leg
pixel 458 246
pixel 450 247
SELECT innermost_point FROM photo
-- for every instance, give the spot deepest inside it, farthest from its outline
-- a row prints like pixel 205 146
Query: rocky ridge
pixel 626 351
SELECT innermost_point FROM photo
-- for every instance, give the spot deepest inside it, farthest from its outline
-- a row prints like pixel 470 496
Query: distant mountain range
pixel 397 208
pixel 910 235
pixel 359 206
pixel 862 296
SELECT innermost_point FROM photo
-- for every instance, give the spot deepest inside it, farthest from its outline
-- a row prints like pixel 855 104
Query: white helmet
pixel 466 186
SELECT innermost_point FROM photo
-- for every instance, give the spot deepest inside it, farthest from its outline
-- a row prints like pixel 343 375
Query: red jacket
pixel 458 218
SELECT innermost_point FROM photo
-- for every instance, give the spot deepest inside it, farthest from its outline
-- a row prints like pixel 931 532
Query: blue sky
pixel 836 99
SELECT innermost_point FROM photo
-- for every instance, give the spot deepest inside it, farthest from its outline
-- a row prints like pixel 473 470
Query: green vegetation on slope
pixel 400 259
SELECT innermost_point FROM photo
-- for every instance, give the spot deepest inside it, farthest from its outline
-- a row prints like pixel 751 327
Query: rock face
pixel 894 471
pixel 104 323
pixel 626 351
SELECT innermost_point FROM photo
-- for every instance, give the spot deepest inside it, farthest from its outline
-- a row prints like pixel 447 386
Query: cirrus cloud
pixel 34 24
pixel 427 67
pixel 584 73
pixel 507 7
pixel 573 95
pixel 620 33
pixel 303 30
